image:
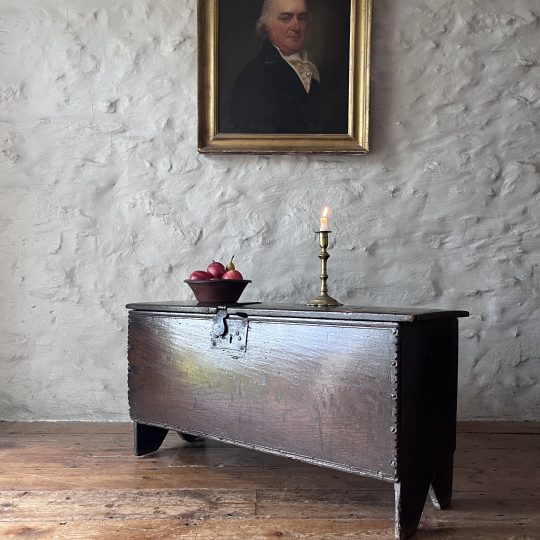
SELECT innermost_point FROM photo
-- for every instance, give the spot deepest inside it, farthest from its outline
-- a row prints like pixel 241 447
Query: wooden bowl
pixel 217 291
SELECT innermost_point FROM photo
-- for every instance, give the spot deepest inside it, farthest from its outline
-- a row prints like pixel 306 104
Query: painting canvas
pixel 283 75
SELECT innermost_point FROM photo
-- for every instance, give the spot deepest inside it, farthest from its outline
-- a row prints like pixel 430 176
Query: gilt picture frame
pixel 334 114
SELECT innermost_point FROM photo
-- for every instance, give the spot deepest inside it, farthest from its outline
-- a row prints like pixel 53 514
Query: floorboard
pixel 72 480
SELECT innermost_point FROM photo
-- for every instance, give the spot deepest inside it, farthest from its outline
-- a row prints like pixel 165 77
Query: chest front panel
pixel 318 390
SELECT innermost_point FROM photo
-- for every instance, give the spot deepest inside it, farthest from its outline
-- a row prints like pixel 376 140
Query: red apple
pixel 232 274
pixel 200 275
pixel 216 269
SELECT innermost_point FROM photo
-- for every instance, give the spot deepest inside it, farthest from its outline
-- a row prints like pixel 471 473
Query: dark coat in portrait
pixel 268 97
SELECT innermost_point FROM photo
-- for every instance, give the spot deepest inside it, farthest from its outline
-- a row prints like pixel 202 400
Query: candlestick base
pixel 323 300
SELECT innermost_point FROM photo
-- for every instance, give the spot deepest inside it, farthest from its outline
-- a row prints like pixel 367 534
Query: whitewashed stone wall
pixel 104 199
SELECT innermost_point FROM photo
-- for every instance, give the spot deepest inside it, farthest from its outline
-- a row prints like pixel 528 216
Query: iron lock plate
pixel 229 333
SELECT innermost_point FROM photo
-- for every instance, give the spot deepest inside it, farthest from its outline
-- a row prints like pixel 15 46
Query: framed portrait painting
pixel 283 76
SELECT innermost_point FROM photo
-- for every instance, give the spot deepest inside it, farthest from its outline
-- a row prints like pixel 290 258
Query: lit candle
pixel 324 220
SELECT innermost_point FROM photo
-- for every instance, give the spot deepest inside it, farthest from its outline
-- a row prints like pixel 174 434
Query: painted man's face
pixel 288 25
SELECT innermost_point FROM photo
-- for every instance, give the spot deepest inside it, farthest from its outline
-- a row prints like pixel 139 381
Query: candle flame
pixel 325 211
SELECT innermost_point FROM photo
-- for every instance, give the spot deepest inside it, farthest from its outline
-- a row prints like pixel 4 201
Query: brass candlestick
pixel 323 299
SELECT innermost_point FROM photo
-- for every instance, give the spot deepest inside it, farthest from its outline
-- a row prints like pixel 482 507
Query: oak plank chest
pixel 364 390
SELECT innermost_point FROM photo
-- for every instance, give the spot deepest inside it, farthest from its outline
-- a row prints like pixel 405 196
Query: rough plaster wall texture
pixel 104 199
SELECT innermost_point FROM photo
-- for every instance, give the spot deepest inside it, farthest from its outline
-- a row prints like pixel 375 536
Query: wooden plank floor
pixel 81 481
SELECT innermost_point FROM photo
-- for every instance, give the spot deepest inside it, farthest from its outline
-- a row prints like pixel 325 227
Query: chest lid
pixel 259 309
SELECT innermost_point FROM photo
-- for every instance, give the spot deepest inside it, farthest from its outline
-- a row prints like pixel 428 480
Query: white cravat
pixel 305 69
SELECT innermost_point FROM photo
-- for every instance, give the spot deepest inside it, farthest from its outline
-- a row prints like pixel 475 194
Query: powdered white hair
pixel 261 27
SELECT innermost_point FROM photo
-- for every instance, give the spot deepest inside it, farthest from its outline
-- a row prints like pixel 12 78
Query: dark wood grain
pixel 351 313
pixel 427 418
pixel 304 390
pixel 368 391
